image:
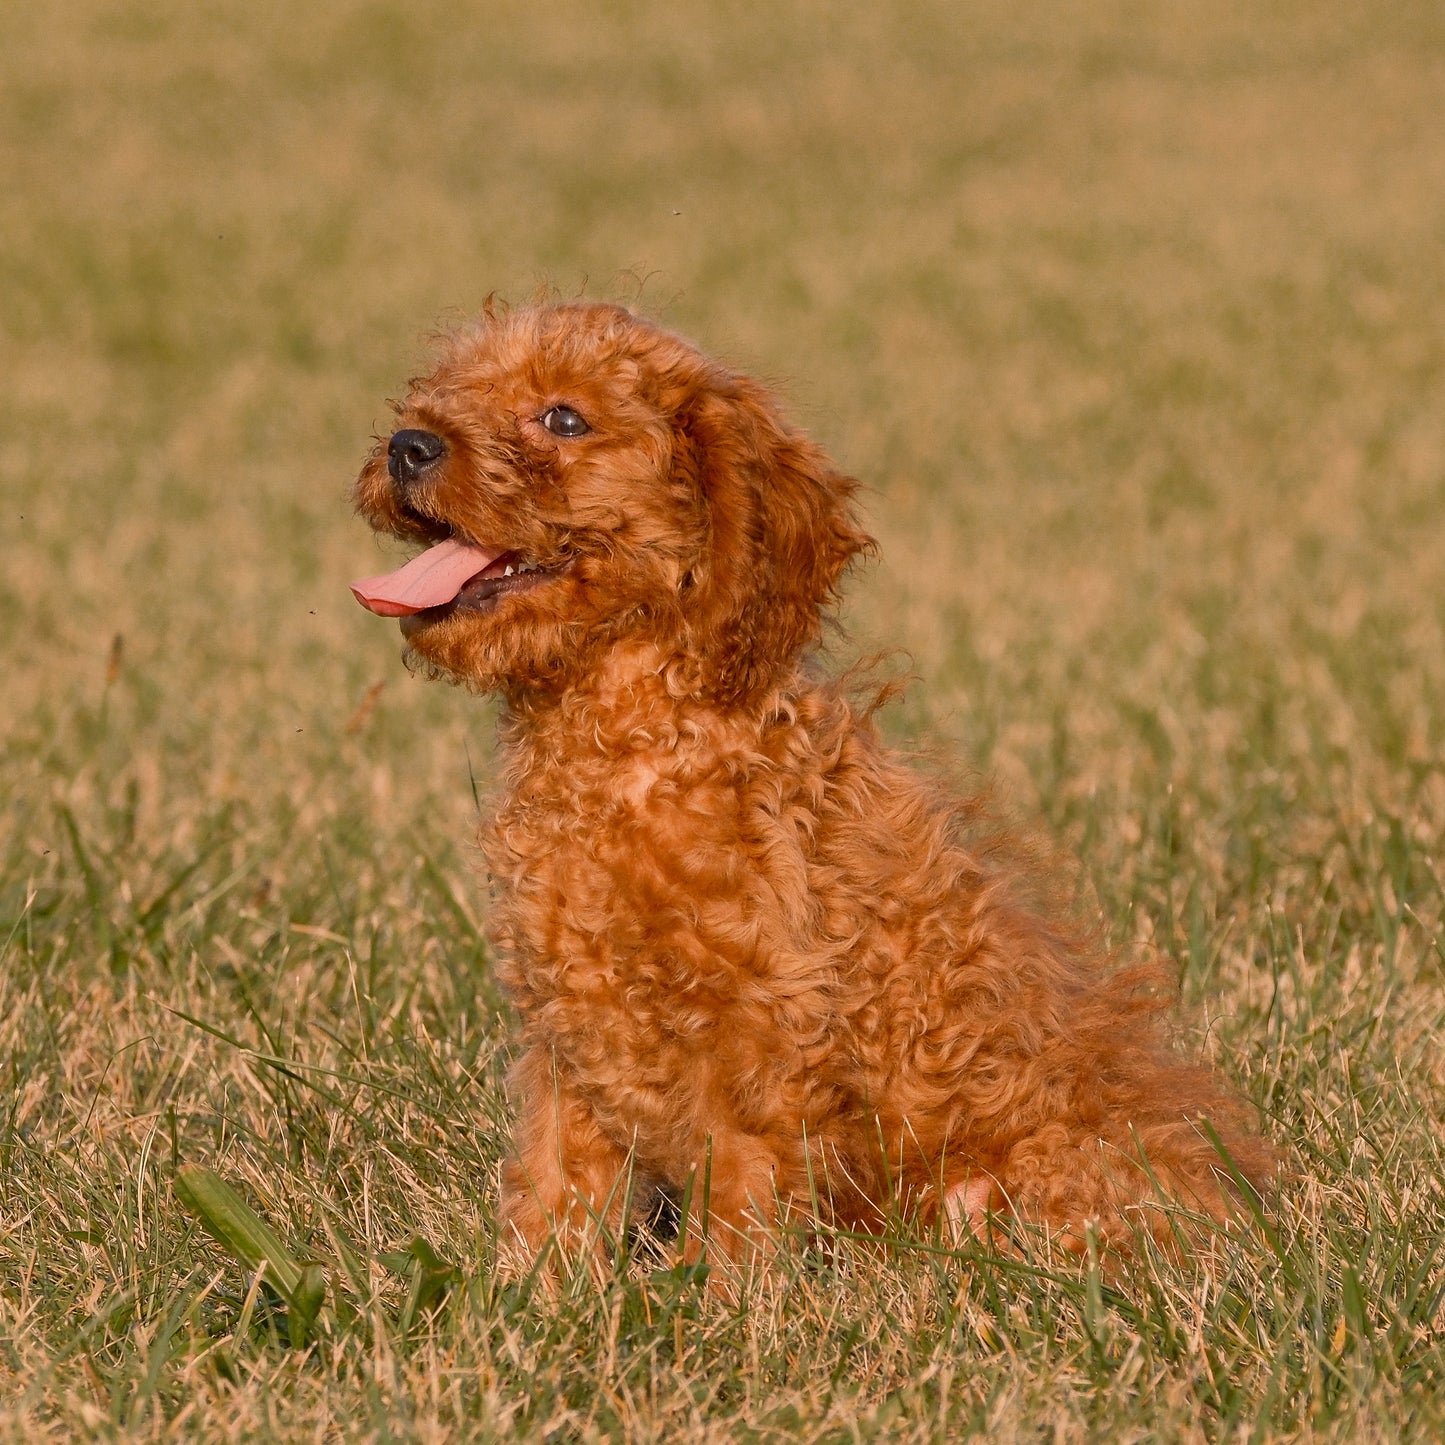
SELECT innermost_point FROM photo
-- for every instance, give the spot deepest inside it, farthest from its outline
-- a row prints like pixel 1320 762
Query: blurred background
pixel 1128 315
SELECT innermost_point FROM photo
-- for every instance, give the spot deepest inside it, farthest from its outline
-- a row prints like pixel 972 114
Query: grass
pixel 1132 317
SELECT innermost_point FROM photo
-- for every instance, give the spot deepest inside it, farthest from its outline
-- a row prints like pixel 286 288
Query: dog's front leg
pixel 733 1203
pixel 566 1179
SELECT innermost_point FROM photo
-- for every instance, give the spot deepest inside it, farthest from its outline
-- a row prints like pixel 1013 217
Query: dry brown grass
pixel 1132 317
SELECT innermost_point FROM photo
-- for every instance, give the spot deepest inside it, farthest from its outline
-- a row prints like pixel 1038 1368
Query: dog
pixel 757 957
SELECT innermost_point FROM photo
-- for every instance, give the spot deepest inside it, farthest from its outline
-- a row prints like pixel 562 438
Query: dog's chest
pixel 639 921
pixel 598 885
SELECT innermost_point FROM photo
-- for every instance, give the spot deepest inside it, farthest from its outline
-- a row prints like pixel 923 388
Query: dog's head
pixel 583 479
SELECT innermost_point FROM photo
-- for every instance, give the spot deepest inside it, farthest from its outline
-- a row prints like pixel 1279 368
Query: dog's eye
pixel 562 421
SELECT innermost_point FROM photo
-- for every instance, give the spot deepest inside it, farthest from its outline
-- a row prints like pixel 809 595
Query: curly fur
pixel 741 935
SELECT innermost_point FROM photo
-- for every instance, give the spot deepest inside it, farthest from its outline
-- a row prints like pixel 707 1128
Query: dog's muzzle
pixel 410 454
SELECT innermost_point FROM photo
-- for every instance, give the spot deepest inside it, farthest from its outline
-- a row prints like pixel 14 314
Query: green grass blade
pixel 237 1228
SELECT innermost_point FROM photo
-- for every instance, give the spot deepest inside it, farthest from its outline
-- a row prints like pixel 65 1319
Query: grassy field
pixel 1130 314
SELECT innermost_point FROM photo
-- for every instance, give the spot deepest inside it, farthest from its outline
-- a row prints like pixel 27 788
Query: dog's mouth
pixel 449 576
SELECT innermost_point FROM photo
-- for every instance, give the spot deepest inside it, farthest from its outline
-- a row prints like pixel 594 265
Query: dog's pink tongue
pixel 430 580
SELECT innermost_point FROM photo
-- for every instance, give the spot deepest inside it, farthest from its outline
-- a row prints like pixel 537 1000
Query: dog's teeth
pixel 509 570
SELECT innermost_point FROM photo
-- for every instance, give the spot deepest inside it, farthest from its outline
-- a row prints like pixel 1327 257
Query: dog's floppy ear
pixel 779 536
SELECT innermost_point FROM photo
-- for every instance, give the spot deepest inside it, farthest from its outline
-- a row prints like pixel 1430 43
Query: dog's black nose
pixel 410 453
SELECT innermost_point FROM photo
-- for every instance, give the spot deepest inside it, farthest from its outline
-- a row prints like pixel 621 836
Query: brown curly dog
pixel 751 949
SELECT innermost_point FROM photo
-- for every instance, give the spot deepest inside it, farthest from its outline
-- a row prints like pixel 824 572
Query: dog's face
pixel 581 479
